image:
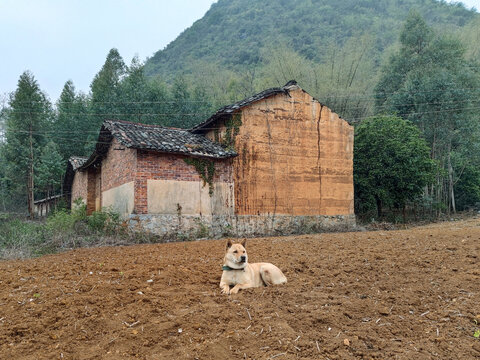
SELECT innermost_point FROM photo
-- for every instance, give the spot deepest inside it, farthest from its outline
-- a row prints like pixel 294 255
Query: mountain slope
pixel 234 32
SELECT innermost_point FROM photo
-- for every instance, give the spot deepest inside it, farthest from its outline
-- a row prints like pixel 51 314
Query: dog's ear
pixel 229 244
pixel 244 243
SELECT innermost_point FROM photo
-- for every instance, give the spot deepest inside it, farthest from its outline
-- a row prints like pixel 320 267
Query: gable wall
pixel 79 186
pixel 295 158
pixel 119 166
pixel 117 179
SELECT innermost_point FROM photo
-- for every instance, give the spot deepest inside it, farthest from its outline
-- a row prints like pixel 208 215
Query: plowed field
pixel 410 294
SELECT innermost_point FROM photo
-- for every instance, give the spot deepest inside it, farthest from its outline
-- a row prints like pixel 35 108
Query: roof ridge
pixel 229 109
pixel 113 121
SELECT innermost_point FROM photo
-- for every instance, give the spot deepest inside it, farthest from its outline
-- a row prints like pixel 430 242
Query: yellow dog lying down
pixel 237 272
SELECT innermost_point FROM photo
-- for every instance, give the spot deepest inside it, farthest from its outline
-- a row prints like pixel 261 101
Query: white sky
pixel 60 40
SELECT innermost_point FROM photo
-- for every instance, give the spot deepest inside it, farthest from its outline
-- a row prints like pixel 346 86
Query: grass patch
pixel 62 230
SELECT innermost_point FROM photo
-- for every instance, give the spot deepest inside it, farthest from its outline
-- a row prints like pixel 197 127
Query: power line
pixel 369 95
pixel 229 113
pixel 44 132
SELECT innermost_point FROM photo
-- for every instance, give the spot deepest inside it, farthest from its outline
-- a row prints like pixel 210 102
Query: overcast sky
pixel 60 40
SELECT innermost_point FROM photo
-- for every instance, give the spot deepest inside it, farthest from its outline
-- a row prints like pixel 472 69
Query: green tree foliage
pixel 187 104
pixel 71 127
pixel 28 119
pixel 234 33
pixel 5 194
pixel 133 92
pixel 105 96
pixel 143 99
pixel 429 82
pixel 106 91
pixel 470 36
pixel 345 77
pixel 49 171
pixel 221 86
pixel 3 116
pixel 467 189
pixel 391 163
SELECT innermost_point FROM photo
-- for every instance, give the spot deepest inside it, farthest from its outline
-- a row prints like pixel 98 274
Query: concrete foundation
pixel 174 227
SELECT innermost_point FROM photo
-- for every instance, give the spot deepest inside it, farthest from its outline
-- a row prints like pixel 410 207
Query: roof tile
pixel 157 138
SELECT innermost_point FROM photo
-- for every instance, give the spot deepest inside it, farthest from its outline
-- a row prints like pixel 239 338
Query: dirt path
pixel 412 294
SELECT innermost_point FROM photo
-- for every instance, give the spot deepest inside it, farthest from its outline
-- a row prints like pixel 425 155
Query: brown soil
pixel 410 294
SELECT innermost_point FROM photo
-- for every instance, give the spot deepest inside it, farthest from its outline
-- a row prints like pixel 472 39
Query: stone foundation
pixel 184 227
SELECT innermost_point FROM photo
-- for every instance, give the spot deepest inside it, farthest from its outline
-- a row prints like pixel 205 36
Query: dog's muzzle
pixel 243 259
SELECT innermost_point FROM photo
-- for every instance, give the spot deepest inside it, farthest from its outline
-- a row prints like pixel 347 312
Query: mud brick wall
pixel 295 158
pixel 119 166
pixel 159 166
pixel 94 201
pixel 79 186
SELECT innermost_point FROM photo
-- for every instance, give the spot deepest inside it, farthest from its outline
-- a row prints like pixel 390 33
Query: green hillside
pixel 233 33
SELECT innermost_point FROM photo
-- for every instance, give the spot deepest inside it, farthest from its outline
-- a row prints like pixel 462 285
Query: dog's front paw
pixel 226 289
pixel 234 290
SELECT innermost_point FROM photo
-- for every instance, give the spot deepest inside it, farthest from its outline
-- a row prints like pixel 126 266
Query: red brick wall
pixel 119 166
pixel 79 186
pixel 158 166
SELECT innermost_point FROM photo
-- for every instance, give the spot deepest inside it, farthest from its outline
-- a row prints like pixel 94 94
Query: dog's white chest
pixel 236 277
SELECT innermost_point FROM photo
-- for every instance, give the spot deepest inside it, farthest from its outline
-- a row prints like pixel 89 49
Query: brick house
pixel 278 161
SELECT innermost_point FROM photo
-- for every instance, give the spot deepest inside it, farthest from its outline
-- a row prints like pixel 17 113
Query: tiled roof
pixel 77 161
pixel 157 138
pixel 230 109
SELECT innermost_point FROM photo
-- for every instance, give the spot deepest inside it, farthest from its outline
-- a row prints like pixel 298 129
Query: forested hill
pixel 234 32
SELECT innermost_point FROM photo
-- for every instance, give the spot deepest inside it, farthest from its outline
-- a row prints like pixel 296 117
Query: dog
pixel 237 272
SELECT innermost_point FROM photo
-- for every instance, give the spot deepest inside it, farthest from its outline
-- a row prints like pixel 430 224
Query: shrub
pixel 19 238
pixel 106 220
pixel 61 221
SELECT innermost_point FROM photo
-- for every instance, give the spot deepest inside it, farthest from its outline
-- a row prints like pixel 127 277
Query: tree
pixel 470 36
pixel 28 118
pixel 105 90
pixel 5 188
pixel 429 82
pixel 3 116
pixel 345 77
pixel 50 170
pixel 159 102
pixel 182 111
pixel 133 93
pixel 392 163
pixel 414 38
pixel 71 123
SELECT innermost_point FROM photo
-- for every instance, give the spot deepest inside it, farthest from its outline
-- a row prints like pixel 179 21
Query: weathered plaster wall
pixel 120 198
pixel 336 159
pixel 295 158
pixel 117 183
pixel 79 186
pixel 189 198
pixel 165 180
